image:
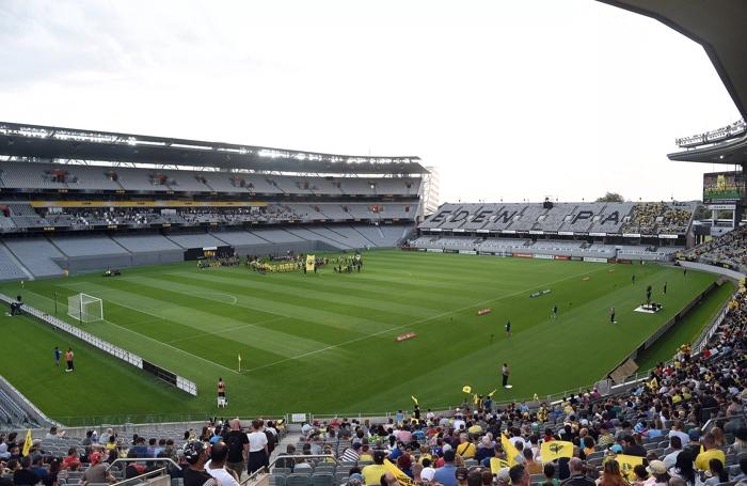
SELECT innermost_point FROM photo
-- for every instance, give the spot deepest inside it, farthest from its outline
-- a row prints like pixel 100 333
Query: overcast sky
pixel 509 100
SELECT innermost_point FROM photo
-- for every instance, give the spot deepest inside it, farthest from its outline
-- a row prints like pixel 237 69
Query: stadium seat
pixel 298 479
pixel 323 479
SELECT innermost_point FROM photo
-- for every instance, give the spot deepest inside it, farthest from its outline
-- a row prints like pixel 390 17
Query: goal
pixel 85 308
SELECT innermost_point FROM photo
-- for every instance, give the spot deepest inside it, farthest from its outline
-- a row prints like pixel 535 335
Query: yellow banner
pixel 511 452
pixel 497 464
pixel 402 478
pixel 627 464
pixel 27 443
pixel 310 263
pixel 552 450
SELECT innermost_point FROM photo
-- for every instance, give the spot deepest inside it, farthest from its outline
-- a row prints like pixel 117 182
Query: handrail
pixel 140 477
pixel 145 459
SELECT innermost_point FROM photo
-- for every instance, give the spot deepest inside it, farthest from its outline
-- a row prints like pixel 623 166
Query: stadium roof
pixel 718 25
pixel 44 142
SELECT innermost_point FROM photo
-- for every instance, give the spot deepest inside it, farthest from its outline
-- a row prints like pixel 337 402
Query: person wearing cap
pixel 693 445
pixel 350 454
pixel 427 475
pixel 354 479
pixel 659 473
pixel 446 474
pixel 98 471
pixel 196 455
pixel 502 477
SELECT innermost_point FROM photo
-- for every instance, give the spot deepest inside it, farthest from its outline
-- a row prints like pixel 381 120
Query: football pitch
pixel 327 343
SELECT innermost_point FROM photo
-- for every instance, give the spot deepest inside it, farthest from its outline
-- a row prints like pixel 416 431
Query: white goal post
pixel 85 308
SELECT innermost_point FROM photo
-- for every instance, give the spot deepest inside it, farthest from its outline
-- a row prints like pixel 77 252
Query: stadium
pixel 158 287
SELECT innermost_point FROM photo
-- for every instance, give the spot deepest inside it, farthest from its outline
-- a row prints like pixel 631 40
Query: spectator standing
pixel 238 447
pixel 69 355
pixel 216 466
pixel 258 448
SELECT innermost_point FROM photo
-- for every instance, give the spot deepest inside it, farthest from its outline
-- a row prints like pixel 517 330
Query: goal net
pixel 85 308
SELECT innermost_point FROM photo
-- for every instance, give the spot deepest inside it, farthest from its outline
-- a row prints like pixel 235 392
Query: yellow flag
pixel 497 463
pixel 310 263
pixel 653 384
pixel 467 389
pixel 402 478
pixel 240 357
pixel 494 391
pixel 415 400
pixel 511 452
pixel 27 443
pixel 476 400
pixel 552 450
pixel 627 465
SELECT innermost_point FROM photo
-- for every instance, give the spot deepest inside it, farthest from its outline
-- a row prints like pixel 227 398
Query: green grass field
pixel 325 343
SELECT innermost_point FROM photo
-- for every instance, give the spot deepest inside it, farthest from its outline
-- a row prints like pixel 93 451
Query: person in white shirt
pixel 258 448
pixel 216 467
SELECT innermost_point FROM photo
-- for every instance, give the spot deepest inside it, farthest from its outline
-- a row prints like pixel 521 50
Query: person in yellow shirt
pixel 373 472
pixel 710 452
pixel 466 449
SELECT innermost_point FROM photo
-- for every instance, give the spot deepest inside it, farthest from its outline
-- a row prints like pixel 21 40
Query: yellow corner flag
pixel 467 389
pixel 402 478
pixel 27 443
pixel 415 400
pixel 552 450
pixel 239 356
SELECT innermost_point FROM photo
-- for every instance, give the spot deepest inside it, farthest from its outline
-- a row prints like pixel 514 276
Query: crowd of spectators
pixel 653 218
pixel 728 250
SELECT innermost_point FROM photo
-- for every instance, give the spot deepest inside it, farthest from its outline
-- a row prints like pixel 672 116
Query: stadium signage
pixel 434 250
pixel 720 207
pixel 522 255
pixel 632 235
pixel 482 231
pixel 670 237
pixel 468 252
pixel 595 260
pixel 566 233
pixel 536 232
pixel 597 234
pixel 508 232
pixel 541 256
pixel 561 257
pixel 458 230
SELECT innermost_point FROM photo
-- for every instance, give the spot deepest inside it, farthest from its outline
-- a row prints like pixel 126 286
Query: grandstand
pixel 61 218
